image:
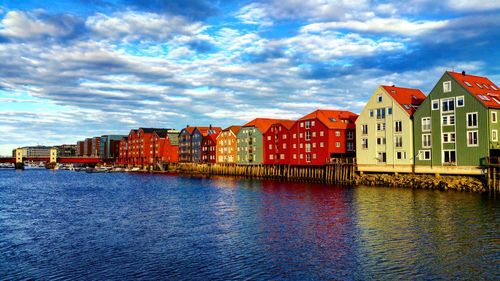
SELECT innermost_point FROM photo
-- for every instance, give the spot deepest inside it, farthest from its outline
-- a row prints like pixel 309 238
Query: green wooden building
pixel 456 127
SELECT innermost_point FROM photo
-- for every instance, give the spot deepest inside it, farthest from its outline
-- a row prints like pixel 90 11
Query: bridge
pixel 52 158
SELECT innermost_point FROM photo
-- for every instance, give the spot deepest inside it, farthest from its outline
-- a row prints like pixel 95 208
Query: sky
pixel 76 69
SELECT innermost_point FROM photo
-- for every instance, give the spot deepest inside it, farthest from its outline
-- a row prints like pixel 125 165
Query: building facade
pixel 277 149
pixel 323 135
pixel 456 127
pixel 209 148
pixel 384 130
pixel 226 145
pixel 190 140
pixel 165 145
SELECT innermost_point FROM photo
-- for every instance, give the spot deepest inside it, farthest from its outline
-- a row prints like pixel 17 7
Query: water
pixel 67 225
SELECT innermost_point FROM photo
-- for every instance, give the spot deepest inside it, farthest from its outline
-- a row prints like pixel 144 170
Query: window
pixel 271 157
pixel 308 157
pixel 389 111
pixel 294 136
pixel 313 134
pixel 448 120
pixel 494 135
pixel 448 137
pixel 447 86
pixel 321 133
pixel 301 145
pixel 371 112
pixel 426 124
pixel 472 120
pixel 314 145
pixel 467 83
pixel 381 157
pixel 380 113
pixel 424 155
pixel 321 144
pixel 380 126
pixel 294 145
pixel 447 105
pixel 364 129
pixel 314 156
pixel 479 85
pixel 308 124
pixel 337 144
pixel 301 156
pixel 426 140
pixel 381 141
pixel 294 156
pixel 379 98
pixel 284 146
pixel 284 136
pixel 308 135
pixel 350 146
pixel 449 156
pixel 435 105
pixel 472 138
pixel 308 147
pixel 337 133
pixel 301 135
pixel 302 124
pixel 398 126
pixel 493 117
pixel 460 101
pixel 268 138
pixel 350 135
pixel 399 141
pixel 483 97
pixel 313 123
pixel 493 87
pixel 400 155
pixel 364 143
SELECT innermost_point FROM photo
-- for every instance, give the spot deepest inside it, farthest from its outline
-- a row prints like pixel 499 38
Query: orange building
pixel 226 145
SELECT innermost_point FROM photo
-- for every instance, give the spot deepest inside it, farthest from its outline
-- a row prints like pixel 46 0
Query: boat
pixel 33 165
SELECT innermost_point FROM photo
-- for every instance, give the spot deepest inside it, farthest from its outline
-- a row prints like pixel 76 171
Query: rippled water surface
pixel 68 225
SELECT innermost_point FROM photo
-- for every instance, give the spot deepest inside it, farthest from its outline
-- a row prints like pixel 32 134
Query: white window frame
pixel 494 117
pixel 494 135
pixel 468 139
pixel 435 102
pixel 423 140
pixel 448 135
pixel 430 124
pixel 467 119
pixel 421 154
pixel 463 101
pixel 446 86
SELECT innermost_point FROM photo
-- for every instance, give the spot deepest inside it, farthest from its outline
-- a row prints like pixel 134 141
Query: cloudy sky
pixel 76 69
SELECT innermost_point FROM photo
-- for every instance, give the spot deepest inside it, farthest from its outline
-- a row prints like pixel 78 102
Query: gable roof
pixel 288 124
pixel 480 87
pixel 212 137
pixel 263 124
pixel 234 128
pixel 205 130
pixel 409 99
pixel 333 118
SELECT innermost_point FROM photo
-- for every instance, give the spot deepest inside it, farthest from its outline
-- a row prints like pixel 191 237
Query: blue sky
pixel 76 69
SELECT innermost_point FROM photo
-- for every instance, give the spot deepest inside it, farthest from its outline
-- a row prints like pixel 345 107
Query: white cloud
pixel 25 25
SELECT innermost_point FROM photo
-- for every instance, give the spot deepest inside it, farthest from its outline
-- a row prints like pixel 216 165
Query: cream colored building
pixel 384 130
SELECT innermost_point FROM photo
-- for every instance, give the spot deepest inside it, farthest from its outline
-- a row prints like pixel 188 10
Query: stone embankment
pixel 460 183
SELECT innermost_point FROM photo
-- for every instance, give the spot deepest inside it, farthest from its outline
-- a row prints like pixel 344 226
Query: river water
pixel 62 225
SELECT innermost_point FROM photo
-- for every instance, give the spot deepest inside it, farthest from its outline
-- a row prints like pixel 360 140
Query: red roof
pixel 482 88
pixel 190 130
pixel 287 123
pixel 213 137
pixel 409 99
pixel 263 124
pixel 333 119
pixel 235 129
pixel 204 130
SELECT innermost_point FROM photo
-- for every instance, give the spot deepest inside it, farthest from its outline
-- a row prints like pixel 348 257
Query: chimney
pixel 463 72
pixel 187 126
pixel 210 127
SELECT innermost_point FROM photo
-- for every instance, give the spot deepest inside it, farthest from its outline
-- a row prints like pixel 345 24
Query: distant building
pixel 36 151
pixel 109 147
pixel 80 148
pixel 209 148
pixel 66 150
pixel 96 142
pixel 277 146
pixel 190 141
pixel 87 147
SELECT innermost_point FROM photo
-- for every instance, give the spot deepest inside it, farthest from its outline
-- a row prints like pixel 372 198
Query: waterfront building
pixel 36 151
pixel 190 140
pixel 277 143
pixel 209 148
pixel 123 151
pixel 66 150
pixel 250 141
pixel 384 130
pixel 133 148
pixel 96 142
pixel 456 127
pixel 79 148
pixel 109 147
pixel 87 148
pixel 226 145
pixel 165 144
pixel 322 135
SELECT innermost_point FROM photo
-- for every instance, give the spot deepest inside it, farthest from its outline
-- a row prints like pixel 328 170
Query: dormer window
pixel 479 85
pixel 447 86
pixel 483 97
pixel 493 87
pixel 485 86
pixel 467 83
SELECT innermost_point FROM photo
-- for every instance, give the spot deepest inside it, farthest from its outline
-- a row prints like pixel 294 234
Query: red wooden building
pixel 277 143
pixel 133 148
pixel 322 135
pixel 123 152
pixel 209 148
pixel 165 144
